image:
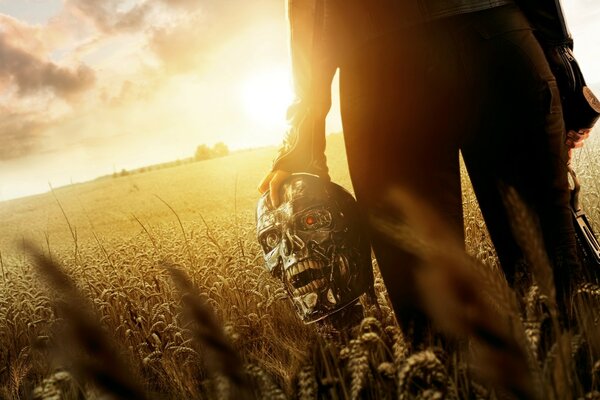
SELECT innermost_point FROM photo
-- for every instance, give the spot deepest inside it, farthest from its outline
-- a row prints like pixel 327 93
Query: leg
pixel 401 127
pixel 520 142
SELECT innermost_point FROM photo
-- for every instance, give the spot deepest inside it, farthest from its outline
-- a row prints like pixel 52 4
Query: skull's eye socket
pixel 315 219
pixel 270 240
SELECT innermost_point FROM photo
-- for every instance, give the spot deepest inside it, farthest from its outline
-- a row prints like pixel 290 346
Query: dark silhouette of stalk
pixel 459 299
pixel 220 358
pixel 100 362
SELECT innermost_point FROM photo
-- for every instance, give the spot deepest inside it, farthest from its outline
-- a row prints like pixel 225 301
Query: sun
pixel 266 95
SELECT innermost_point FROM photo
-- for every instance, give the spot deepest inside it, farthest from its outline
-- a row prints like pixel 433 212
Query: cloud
pixel 135 19
pixel 34 38
pixel 132 50
pixel 109 17
pixel 181 48
pixel 199 34
pixel 23 35
pixel 131 92
pixel 32 74
pixel 20 133
pixel 173 27
pixel 32 86
pixel 104 15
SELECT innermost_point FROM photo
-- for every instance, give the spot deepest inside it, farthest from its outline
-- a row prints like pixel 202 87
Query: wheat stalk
pixel 101 363
pixel 220 356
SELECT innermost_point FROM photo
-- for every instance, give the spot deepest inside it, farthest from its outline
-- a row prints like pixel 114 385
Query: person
pixel 419 81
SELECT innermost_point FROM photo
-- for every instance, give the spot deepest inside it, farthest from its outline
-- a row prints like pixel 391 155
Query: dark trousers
pixel 478 83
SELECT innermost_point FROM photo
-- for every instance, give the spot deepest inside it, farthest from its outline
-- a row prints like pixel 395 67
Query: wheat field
pixel 151 286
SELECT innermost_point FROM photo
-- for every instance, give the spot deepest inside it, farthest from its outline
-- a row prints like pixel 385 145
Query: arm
pixel 580 108
pixel 303 149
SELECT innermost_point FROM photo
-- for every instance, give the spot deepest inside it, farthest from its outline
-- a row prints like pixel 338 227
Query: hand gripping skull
pixel 315 244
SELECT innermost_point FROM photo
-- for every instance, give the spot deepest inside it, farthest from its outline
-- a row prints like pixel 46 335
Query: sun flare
pixel 266 95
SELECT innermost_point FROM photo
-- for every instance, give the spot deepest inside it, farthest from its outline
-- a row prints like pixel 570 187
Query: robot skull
pixel 315 244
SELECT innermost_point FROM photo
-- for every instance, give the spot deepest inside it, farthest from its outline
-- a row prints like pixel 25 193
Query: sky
pixel 89 87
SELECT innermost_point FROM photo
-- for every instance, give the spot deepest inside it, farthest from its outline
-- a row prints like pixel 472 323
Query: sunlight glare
pixel 266 95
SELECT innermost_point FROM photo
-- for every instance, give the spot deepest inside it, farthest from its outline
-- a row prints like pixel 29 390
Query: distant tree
pixel 220 149
pixel 203 152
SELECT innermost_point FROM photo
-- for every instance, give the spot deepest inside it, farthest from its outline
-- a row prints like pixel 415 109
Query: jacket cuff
pixel 303 149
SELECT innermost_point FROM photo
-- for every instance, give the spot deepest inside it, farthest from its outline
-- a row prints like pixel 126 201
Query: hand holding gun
pixel 581 109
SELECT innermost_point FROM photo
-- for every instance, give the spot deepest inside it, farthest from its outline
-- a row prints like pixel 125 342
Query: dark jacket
pixel 324 32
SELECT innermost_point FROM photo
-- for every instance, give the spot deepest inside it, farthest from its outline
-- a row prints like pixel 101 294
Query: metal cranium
pixel 314 242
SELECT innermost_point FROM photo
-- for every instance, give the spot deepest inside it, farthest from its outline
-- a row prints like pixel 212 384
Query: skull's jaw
pixel 319 315
pixel 305 277
pixel 314 291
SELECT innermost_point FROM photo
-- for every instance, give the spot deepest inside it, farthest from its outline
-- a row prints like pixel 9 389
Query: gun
pixel 587 241
pixel 581 109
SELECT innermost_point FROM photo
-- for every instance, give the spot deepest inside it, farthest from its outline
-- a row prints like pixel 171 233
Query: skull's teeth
pixel 303 266
pixel 311 287
pixel 310 300
pixel 331 297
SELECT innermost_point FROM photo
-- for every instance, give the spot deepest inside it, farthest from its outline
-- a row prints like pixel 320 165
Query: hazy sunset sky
pixel 88 87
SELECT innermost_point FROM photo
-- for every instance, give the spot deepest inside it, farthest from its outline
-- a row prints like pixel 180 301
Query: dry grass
pixel 104 317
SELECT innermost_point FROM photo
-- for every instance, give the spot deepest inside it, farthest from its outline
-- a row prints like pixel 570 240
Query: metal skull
pixel 315 244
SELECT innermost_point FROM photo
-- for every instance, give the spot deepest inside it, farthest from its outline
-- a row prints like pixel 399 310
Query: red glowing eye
pixel 310 220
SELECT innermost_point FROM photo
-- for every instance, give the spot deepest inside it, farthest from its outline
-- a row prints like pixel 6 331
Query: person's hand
pixel 575 139
pixel 272 182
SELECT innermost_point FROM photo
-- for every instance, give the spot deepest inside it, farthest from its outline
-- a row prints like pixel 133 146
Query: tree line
pixel 203 152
